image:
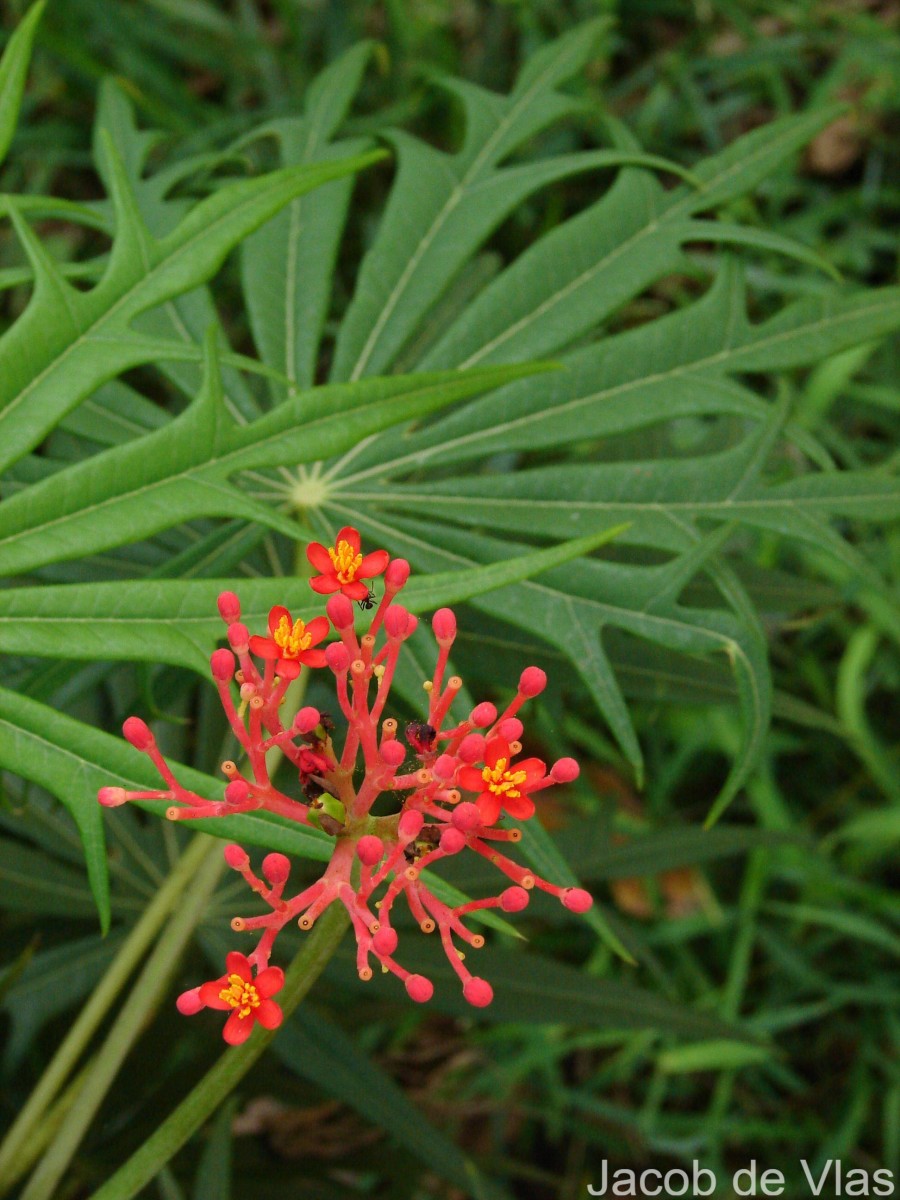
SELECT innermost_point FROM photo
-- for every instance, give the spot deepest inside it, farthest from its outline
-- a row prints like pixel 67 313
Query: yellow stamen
pixel 291 640
pixel 502 782
pixel 240 995
pixel 345 561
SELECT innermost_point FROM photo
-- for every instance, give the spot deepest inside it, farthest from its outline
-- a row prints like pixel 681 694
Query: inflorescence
pixel 438 761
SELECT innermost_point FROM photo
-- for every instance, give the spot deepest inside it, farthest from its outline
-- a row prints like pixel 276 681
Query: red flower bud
pixel 478 992
pixel 483 714
pixel 466 816
pixel 396 574
pixel 396 621
pixel 307 719
pixel 221 664
pixel 392 753
pixel 410 825
pixel 340 611
pixel 229 607
pixel 239 638
pixel 511 729
pixel 445 766
pixel 514 899
pixel 276 868
pixel 532 681
pixel 112 797
pixel 338 657
pixel 236 857
pixel 444 625
pixel 576 900
pixel 564 770
pixel 452 840
pixel 189 1003
pixel 138 733
pixel 385 942
pixel 419 988
pixel 370 849
pixel 237 792
pixel 471 748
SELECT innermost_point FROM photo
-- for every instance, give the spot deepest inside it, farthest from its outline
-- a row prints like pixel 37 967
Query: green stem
pixel 144 997
pixel 234 1064
pixel 130 954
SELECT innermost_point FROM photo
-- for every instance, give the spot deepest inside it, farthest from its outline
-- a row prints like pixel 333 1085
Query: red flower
pixel 291 642
pixel 500 784
pixel 342 567
pixel 247 999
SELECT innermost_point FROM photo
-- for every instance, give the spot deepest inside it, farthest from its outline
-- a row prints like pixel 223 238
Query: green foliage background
pixel 245 246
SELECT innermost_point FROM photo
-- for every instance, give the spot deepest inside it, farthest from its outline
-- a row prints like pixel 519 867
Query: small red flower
pixel 291 642
pixel 247 999
pixel 342 566
pixel 501 784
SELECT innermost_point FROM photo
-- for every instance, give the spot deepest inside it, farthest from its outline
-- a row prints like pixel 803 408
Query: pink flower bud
pixel 410 825
pixel 236 857
pixel 138 733
pixel 444 767
pixel 483 714
pixel 419 988
pixel 510 729
pixel 452 840
pixel 577 900
pixel 532 681
pixel 370 849
pixel 229 607
pixel 239 638
pixel 466 816
pixel 514 899
pixel 396 574
pixel 237 792
pixel 307 719
pixel 443 623
pixel 112 797
pixel 478 992
pixel 338 657
pixel 221 663
pixel 396 621
pixel 412 626
pixel 189 1002
pixel 392 753
pixel 564 770
pixel 385 942
pixel 471 748
pixel 276 868
pixel 340 611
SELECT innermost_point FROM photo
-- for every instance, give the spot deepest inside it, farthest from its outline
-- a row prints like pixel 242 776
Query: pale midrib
pixel 684 206
pixel 194 472
pixel 693 368
pixel 122 301
pixel 720 641
pixel 440 220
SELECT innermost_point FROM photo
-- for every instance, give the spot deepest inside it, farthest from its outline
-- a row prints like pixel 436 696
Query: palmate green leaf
pixel 13 70
pixel 288 264
pixel 680 365
pixel 68 342
pixel 176 621
pixel 73 760
pixel 442 206
pixel 183 470
pixel 569 608
pixel 587 267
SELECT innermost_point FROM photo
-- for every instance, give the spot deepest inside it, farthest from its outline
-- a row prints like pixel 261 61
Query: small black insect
pixel 368 603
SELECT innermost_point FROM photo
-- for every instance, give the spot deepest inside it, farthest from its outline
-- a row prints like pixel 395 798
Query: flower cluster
pixel 455 779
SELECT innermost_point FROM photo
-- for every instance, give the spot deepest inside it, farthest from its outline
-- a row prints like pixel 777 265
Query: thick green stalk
pixel 234 1064
pixel 144 997
pixel 103 997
